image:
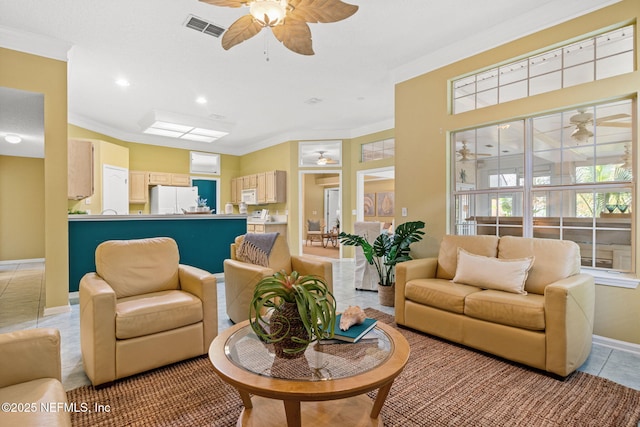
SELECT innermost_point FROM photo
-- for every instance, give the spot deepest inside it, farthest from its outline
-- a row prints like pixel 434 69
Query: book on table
pixel 355 332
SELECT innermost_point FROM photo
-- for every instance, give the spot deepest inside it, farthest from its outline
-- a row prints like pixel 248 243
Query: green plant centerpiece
pixel 292 311
pixel 387 251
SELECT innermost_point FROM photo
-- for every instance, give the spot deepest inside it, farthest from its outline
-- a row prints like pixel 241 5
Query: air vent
pixel 203 26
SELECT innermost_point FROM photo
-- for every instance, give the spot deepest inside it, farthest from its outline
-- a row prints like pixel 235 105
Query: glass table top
pixel 322 361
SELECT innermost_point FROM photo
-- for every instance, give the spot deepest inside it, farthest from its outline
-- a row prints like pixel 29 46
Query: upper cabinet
pixel 165 178
pixel 80 169
pixel 271 187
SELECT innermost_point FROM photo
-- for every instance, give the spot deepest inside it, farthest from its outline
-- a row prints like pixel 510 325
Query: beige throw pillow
pixel 492 273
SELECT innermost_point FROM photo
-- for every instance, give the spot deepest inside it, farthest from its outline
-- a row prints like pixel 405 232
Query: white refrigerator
pixel 171 200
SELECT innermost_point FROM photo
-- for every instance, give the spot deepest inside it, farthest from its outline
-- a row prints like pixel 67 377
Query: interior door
pixel 332 207
pixel 115 190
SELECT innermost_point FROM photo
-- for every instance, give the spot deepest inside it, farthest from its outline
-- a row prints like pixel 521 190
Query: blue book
pixel 355 332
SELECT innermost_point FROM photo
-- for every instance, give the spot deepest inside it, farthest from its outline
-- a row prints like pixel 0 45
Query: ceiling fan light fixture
pixel 581 134
pixel 268 13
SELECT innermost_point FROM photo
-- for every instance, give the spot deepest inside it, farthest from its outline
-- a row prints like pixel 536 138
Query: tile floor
pixel 22 303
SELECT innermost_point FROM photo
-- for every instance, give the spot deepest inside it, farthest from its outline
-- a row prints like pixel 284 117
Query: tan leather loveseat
pixel 30 373
pixel 547 325
pixel 240 277
pixel 141 309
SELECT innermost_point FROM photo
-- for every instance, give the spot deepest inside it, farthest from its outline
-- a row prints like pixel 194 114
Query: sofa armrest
pixel 240 279
pixel 28 355
pixel 569 313
pixel 202 284
pixel 98 328
pixel 313 267
pixel 422 268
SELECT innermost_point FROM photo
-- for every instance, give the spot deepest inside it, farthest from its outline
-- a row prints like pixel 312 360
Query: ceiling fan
pixel 286 18
pixel 464 154
pixel 584 119
pixel 322 160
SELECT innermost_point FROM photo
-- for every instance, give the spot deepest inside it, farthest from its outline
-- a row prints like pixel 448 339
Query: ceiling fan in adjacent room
pixel 464 154
pixel 325 160
pixel 584 119
pixel 287 19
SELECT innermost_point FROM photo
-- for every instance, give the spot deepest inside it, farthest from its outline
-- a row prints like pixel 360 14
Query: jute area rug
pixel 442 385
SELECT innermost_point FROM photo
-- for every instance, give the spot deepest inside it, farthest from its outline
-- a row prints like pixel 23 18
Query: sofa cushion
pixel 139 266
pixel 142 315
pixel 492 273
pixel 439 293
pixel 46 391
pixel 554 259
pixel 520 311
pixel 448 255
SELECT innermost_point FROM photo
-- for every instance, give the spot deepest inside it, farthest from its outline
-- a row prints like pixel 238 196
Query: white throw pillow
pixel 492 273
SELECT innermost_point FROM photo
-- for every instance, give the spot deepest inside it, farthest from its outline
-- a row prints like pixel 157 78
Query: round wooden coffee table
pixel 327 386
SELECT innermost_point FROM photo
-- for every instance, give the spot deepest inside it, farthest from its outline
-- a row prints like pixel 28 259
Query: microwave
pixel 250 196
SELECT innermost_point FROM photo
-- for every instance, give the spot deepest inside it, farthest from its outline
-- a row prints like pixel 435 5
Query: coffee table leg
pixel 292 409
pixel 246 399
pixel 383 392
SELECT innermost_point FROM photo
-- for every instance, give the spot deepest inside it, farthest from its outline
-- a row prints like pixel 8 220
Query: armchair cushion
pixel 313 225
pixel 135 267
pixel 148 314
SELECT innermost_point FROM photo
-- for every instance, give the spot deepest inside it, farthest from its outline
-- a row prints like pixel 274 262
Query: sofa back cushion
pixel 448 255
pixel 554 259
pixel 140 266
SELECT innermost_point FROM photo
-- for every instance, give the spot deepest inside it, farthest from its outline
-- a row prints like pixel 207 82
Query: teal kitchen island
pixel 203 240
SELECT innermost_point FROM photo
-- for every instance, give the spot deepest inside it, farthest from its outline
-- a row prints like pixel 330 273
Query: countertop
pixel 154 217
pixel 259 221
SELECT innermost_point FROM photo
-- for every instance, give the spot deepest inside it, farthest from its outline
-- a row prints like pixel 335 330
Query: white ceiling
pixel 351 77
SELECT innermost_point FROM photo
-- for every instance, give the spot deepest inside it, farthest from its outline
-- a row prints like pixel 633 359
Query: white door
pixel 115 190
pixel 331 207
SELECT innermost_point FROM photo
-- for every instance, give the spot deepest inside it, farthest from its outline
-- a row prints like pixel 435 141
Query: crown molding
pixel 35 44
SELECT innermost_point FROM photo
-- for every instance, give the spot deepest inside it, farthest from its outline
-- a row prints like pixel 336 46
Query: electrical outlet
pixel 404 211
pixel 87 201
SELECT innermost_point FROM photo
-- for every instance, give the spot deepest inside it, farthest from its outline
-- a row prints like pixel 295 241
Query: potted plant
pixel 202 205
pixel 292 311
pixel 386 252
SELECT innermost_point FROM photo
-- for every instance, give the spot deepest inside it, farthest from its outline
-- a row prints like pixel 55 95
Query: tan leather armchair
pixel 141 309
pixel 240 278
pixel 30 375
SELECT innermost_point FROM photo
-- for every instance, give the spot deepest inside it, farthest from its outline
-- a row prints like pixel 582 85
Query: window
pixel 378 150
pixel 596 58
pixel 567 175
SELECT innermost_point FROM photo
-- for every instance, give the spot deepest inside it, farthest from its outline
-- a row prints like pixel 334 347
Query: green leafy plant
pixel 202 203
pixel 387 251
pixel 313 300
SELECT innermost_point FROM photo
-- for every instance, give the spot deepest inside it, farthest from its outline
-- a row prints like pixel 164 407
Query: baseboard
pixel 617 345
pixel 21 261
pixel 48 311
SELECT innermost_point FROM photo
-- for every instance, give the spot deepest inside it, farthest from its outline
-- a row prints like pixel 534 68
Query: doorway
pixel 208 189
pixel 373 182
pixel 320 196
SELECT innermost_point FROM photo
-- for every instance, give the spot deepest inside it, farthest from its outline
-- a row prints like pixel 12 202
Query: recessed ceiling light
pixel 13 139
pixel 201 100
pixel 123 82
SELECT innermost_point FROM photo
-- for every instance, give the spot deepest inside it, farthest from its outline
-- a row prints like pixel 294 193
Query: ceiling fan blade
pixel 241 30
pixel 615 124
pixel 227 3
pixel 612 117
pixel 321 10
pixel 295 35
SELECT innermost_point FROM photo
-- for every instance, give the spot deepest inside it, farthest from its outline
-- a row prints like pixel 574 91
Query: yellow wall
pixel 423 125
pixel 49 77
pixel 21 208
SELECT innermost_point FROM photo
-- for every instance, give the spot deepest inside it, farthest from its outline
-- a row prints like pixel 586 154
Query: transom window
pixel 567 175
pixel 596 58
pixel 378 150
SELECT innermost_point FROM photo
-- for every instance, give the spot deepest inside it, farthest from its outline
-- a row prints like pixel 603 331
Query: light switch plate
pixel 404 211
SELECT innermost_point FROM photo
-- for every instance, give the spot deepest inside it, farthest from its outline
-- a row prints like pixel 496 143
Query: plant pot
pixel 387 295
pixel 286 323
